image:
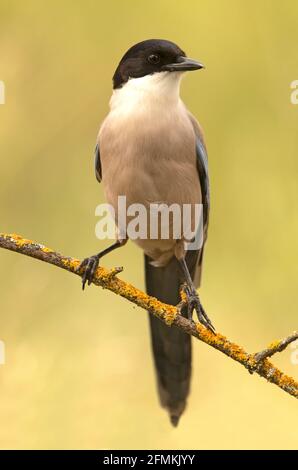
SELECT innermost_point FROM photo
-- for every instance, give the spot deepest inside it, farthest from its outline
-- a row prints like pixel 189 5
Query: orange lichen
pixel 169 315
pixel 18 240
pixel 220 342
pixel 274 345
pixel 47 250
pixel 183 295
pixel 272 374
pixel 70 263
pixel 105 275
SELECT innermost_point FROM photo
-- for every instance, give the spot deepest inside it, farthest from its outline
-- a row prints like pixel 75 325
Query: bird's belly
pixel 154 209
pixel 148 165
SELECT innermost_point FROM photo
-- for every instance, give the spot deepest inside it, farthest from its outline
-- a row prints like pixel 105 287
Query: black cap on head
pixel 152 56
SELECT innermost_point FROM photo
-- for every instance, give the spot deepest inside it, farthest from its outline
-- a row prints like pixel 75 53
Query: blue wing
pixel 97 163
pixel 202 167
pixel 195 258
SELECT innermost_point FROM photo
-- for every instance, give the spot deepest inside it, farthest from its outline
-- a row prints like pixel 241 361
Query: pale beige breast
pixel 150 158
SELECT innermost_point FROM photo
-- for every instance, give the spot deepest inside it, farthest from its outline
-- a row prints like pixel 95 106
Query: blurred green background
pixel 78 370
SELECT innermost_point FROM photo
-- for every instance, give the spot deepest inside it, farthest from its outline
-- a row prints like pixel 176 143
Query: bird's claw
pixel 90 265
pixel 194 303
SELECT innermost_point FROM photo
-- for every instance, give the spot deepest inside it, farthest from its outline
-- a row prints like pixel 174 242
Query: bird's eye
pixel 154 58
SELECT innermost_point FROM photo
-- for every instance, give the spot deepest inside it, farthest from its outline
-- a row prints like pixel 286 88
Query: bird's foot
pixel 90 265
pixel 194 303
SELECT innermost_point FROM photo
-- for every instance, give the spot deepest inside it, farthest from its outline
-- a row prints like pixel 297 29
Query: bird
pixel 151 149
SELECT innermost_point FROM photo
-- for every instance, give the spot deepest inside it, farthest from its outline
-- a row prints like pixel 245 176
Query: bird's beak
pixel 183 64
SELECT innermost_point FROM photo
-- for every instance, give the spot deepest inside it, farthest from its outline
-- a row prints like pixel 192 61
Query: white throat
pixel 160 89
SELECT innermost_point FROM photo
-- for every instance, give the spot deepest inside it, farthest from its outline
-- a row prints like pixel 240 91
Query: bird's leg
pixel 91 264
pixel 193 300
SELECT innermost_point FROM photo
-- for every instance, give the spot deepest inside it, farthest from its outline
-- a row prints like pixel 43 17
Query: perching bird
pixel 151 149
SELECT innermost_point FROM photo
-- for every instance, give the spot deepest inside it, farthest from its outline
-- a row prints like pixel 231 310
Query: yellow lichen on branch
pixel 169 314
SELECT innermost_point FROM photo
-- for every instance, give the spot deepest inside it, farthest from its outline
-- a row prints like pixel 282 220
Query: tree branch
pixel 169 314
pixel 276 346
